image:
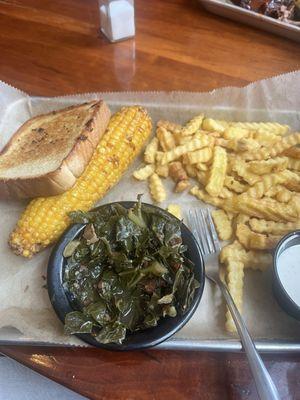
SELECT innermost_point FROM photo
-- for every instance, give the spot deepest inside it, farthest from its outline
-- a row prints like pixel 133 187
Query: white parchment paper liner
pixel 25 310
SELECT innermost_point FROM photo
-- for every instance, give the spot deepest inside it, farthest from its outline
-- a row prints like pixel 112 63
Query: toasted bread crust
pixel 71 167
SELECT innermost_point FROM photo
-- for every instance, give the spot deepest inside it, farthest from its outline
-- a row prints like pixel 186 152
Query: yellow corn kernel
pixel 143 173
pixel 111 158
pixel 157 190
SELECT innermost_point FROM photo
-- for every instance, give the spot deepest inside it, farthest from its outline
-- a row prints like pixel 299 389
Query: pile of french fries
pixel 250 171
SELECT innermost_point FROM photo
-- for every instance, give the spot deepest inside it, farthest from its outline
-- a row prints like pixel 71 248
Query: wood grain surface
pixel 53 47
pixel 155 375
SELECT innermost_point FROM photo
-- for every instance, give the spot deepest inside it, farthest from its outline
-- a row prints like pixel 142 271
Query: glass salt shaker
pixel 117 19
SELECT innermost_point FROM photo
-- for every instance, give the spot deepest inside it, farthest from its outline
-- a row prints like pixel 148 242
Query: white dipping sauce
pixel 288 267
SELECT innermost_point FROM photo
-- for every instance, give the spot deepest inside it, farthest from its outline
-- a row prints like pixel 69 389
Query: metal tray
pixel 180 106
pixel 236 13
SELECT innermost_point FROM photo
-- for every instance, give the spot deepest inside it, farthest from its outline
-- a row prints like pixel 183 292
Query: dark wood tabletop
pixel 54 47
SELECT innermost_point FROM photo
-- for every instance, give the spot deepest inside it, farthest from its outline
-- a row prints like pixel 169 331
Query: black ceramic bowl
pixel 280 293
pixel 166 327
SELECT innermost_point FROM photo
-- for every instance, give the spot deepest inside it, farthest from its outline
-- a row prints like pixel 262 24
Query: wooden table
pixel 53 47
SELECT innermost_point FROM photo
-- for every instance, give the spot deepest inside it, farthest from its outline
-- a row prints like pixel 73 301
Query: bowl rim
pixel 285 301
pixel 61 303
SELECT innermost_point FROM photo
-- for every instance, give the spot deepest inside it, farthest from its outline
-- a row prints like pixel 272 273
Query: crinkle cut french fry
pixel 166 139
pixel 235 283
pixel 273 127
pixel 242 218
pixel 217 172
pixel 233 184
pixel 150 151
pixel 157 190
pixel 238 145
pixel 266 208
pixel 175 210
pixel 293 163
pixel 199 156
pixel 268 166
pixel 267 181
pixel 211 125
pixel 283 195
pixel 226 193
pixel 202 166
pixel 272 227
pixel 235 132
pixel 258 260
pixel 202 177
pixel 193 125
pixel 191 170
pixel 201 195
pixel 170 126
pixel 162 170
pixel 222 224
pixel 254 240
pixel 179 151
pixel 143 173
pixel 278 148
pixel 177 172
pixel 293 152
pixel 181 186
pixel 242 169
pixel 253 259
pixel 234 251
pixel 266 138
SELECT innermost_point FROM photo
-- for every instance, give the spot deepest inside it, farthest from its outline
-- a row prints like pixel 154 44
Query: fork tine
pixel 200 231
pixel 194 228
pixel 208 237
pixel 213 233
pixel 204 233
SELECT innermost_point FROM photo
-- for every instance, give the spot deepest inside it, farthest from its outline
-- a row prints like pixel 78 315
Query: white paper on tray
pixel 25 310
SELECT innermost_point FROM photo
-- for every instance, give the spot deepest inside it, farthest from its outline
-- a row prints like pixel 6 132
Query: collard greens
pixel 126 271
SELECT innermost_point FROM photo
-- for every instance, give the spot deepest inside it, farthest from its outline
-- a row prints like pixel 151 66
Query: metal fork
pixel 202 226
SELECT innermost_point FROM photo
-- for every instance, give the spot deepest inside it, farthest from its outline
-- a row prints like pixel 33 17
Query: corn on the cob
pixel 45 219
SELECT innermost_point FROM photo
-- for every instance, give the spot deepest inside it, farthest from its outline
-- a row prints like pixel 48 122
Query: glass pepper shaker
pixel 117 19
